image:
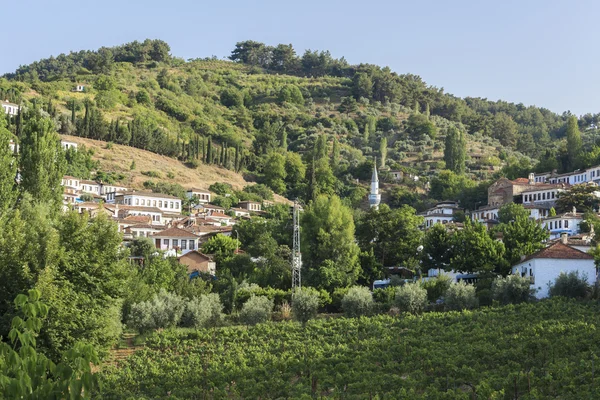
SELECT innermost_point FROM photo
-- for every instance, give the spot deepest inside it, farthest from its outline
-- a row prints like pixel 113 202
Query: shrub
pixel 203 312
pixel 286 311
pixel 411 298
pixel 437 287
pixel 572 284
pixel 461 296
pixel 164 310
pixel 305 303
pixel 511 290
pixel 152 174
pixel 357 301
pixel 256 310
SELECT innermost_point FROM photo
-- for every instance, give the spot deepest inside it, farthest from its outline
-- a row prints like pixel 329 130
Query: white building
pixel 441 213
pixel 546 265
pixel 542 196
pixel 92 187
pixel 164 202
pixel 13 146
pixel 10 108
pixel 396 175
pixel 374 196
pixel 203 196
pixel 563 223
pixel 176 239
pixel 485 214
pixel 250 205
pixel 80 88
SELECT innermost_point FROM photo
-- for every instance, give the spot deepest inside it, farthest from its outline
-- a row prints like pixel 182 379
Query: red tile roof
pixel 175 232
pixel 559 251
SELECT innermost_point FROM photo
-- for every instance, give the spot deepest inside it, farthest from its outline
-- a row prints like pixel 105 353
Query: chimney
pixel 564 238
pixel 532 178
pixel 574 210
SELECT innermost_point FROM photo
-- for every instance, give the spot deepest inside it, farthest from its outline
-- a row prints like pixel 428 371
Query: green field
pixel 531 351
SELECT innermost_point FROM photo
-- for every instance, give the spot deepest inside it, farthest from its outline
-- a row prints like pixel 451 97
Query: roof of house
pixel 8 103
pixel 138 218
pixel 219 215
pixel 212 206
pixel 194 190
pixel 145 226
pixel 134 208
pixel 249 202
pixel 147 194
pixel 175 232
pixel 195 253
pixel 544 186
pixel 561 251
pixel 576 240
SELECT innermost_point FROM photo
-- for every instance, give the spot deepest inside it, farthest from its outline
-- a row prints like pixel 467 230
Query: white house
pixel 10 108
pixel 250 205
pixel 13 146
pixel 485 214
pixel 164 202
pixel 546 265
pixel 176 239
pixel 80 88
pixel 106 188
pixel 66 145
pixel 563 223
pixel 396 175
pixel 442 213
pixel 240 212
pixel 203 196
pixel 542 196
pixel 92 187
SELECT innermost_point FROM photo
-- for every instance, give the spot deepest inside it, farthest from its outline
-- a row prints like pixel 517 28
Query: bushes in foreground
pixel 256 310
pixel 572 285
pixel 512 289
pixel 411 297
pixel 305 304
pixel 461 296
pixel 357 301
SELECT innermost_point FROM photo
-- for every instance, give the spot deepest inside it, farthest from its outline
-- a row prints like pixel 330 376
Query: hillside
pixel 118 159
pixel 273 116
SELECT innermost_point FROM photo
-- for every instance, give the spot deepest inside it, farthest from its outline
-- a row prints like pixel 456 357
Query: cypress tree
pixel 209 151
pixel 383 151
pixel 20 123
pixel 73 112
pixel 455 151
pixel 335 154
pixel 236 165
pixel 574 143
pixel 8 170
pixel 417 107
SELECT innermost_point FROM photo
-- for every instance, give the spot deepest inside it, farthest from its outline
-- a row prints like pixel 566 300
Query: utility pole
pixel 296 254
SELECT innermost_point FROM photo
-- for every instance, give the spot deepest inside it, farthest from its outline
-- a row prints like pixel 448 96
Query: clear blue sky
pixel 530 51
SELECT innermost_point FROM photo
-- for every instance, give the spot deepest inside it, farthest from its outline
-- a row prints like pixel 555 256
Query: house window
pixel 137 202
pixel 160 203
pixel 154 203
pixel 566 224
pixel 166 242
pixel 543 196
pixel 192 245
pixel 184 245
pixel 170 204
pixel 175 242
pixel 177 206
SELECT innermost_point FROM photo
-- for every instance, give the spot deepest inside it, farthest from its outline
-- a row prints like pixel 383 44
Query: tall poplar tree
pixel 383 151
pixel 455 151
pixel 574 143
pixel 42 162
pixel 8 169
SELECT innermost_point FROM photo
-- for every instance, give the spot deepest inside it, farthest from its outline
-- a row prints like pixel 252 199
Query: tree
pixel 574 143
pixel 348 105
pixel 330 254
pixel 42 162
pixel 275 172
pixel 475 251
pixel 362 86
pixel 383 151
pixel 8 169
pixel 28 374
pixel 455 150
pixel 393 235
pixel 221 246
pixel 437 248
pixel 504 129
pixel 580 197
pixel 418 126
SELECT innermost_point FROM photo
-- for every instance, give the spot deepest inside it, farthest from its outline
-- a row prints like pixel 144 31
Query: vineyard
pixel 530 351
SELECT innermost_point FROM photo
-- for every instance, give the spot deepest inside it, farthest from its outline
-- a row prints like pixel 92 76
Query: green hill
pixel 257 113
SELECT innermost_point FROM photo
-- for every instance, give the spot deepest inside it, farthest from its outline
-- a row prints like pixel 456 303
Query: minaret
pixel 374 197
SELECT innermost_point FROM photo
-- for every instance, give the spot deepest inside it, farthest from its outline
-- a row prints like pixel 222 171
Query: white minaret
pixel 374 197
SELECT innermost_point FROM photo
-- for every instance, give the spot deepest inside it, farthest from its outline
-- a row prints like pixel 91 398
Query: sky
pixel 534 52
